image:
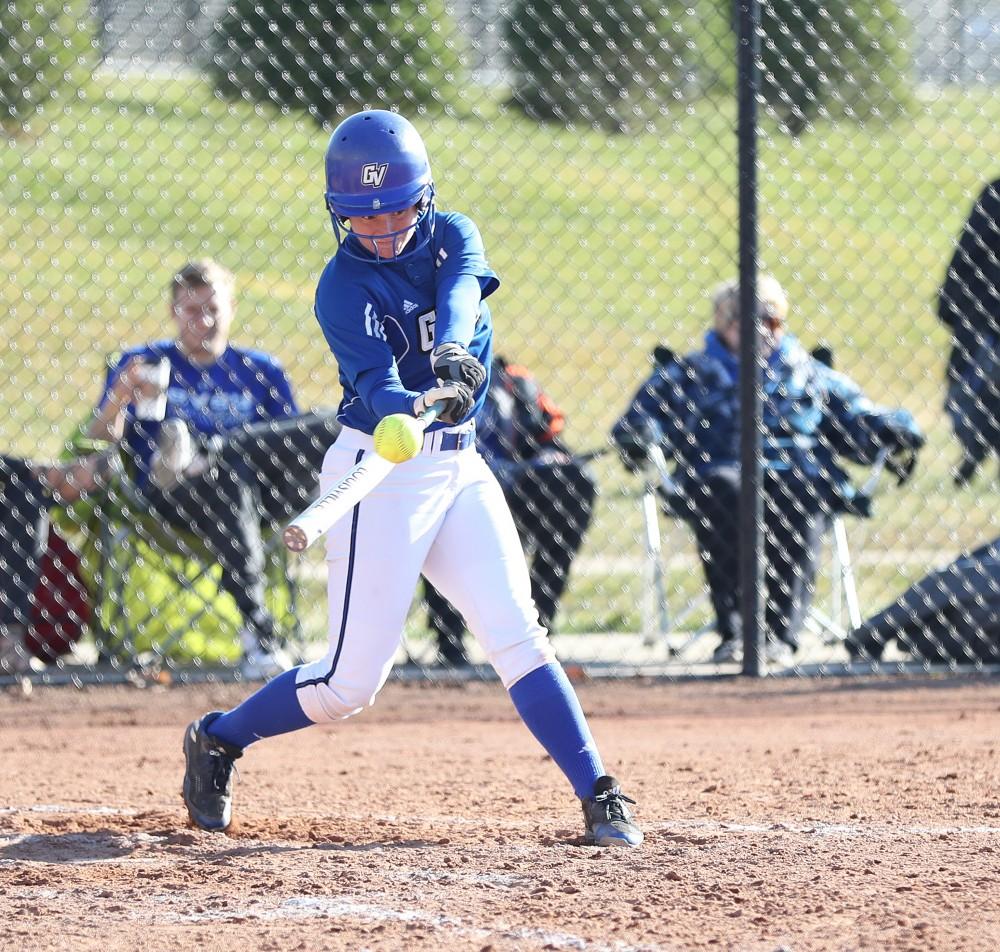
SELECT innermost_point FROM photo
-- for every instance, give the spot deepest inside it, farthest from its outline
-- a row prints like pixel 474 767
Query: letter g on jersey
pixel 374 174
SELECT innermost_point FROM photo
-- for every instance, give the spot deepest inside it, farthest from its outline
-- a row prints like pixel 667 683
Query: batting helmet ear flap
pixel 333 213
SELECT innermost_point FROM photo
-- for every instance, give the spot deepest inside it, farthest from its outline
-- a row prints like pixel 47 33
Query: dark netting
pixel 163 170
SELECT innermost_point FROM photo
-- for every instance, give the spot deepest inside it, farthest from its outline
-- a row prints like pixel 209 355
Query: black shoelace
pixel 222 769
pixel 614 805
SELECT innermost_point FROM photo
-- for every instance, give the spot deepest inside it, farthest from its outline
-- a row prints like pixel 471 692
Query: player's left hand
pixel 454 364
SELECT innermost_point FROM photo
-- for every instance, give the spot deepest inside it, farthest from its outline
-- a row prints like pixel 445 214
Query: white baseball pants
pixel 442 514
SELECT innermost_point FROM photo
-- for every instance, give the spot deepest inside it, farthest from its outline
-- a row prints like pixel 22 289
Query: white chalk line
pixel 342 907
pixel 321 907
pixel 95 810
pixel 359 908
pixel 61 808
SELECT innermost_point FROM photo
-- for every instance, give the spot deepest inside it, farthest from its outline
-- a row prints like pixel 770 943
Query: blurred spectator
pixel 969 304
pixel 196 419
pixel 550 494
pixel 28 490
pixel 951 615
pixel 812 415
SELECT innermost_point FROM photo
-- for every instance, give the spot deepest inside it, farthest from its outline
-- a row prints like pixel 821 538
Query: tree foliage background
pixel 45 45
pixel 333 59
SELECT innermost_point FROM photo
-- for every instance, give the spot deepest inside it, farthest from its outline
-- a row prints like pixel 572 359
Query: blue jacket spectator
pixel 814 418
pixel 812 415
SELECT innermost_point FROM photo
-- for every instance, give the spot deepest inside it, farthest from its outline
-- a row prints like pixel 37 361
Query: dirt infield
pixel 781 816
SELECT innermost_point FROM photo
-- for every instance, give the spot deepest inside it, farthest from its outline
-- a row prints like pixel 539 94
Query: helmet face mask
pixel 366 247
pixel 376 164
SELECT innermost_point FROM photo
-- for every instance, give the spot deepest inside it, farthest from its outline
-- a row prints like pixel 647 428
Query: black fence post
pixel 751 505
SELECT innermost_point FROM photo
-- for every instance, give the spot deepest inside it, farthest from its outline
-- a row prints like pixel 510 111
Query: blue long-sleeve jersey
pixel 383 320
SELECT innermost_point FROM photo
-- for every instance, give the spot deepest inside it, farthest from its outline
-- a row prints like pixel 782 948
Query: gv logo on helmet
pixel 373 174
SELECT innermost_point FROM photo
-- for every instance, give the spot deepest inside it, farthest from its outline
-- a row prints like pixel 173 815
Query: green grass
pixel 606 245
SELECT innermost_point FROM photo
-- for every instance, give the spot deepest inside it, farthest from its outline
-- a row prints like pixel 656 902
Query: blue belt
pixel 458 441
pixel 442 442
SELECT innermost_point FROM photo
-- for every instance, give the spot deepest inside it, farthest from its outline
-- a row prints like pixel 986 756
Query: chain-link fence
pixel 152 452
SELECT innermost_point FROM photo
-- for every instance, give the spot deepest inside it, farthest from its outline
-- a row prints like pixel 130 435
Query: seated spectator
pixel 206 442
pixel 811 416
pixel 551 494
pixel 969 304
pixel 949 616
pixel 28 490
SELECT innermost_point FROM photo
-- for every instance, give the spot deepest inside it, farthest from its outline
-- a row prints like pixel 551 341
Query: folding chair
pixel 156 589
pixel 659 624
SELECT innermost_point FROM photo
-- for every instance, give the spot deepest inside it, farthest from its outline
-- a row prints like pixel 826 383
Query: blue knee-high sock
pixel 549 707
pixel 271 710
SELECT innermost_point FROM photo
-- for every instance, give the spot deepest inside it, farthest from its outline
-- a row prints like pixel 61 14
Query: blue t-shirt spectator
pixel 240 388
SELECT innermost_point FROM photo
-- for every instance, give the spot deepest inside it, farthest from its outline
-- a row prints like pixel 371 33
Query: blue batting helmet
pixel 376 163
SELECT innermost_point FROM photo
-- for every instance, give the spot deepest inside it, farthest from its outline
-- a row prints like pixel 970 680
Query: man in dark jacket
pixel 969 304
pixel 812 415
pixel 550 494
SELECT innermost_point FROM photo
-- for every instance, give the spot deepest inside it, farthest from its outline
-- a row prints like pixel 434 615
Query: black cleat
pixel 208 776
pixel 609 822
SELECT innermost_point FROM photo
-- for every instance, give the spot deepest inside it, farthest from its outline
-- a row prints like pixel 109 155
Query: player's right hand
pixel 456 397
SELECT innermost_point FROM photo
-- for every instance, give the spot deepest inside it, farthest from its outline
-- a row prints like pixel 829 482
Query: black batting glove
pixel 454 399
pixel 454 364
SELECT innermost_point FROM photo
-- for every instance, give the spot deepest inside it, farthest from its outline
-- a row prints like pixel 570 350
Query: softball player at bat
pixel 403 307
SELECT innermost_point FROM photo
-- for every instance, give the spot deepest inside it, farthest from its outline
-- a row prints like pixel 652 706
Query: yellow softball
pixel 398 437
